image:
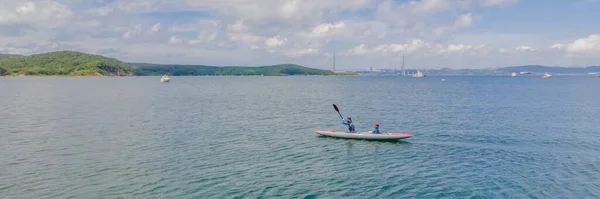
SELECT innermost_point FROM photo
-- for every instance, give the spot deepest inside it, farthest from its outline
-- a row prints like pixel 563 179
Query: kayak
pixel 364 135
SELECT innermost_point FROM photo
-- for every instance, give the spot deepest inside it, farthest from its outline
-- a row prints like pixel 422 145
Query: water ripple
pixel 248 137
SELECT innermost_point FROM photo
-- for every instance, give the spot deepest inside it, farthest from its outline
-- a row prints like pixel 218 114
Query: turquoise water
pixel 247 137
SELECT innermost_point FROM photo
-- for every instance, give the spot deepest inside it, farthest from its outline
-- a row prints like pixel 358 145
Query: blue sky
pixel 362 33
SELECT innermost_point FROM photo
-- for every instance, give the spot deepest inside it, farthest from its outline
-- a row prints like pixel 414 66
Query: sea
pixel 253 137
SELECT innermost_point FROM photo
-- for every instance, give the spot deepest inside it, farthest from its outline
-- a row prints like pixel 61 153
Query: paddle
pixel 338 110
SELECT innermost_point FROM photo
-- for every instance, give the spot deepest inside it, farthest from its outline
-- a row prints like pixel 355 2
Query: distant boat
pixel 546 75
pixel 513 74
pixel 524 73
pixel 418 74
pixel 443 80
pixel 165 78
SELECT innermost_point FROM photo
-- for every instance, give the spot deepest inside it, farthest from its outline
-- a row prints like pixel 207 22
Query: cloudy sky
pixel 362 33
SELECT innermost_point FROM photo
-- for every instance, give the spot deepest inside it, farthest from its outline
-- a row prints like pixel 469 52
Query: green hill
pixel 70 63
pixel 67 63
pixel 144 69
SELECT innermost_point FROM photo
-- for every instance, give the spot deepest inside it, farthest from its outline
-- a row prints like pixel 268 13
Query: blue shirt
pixel 376 131
pixel 350 125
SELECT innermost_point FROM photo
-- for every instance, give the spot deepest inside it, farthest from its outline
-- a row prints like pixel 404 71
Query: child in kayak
pixel 348 121
pixel 376 130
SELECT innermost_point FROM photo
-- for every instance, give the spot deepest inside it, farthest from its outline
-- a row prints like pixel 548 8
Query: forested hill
pixel 71 63
pixel 182 70
pixel 67 63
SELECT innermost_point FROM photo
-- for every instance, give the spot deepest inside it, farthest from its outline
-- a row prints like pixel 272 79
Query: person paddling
pixel 376 130
pixel 348 121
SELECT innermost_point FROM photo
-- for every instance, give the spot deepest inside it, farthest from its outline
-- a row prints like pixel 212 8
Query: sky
pixel 362 33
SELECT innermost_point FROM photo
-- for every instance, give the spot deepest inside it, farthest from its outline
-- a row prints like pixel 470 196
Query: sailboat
pixel 546 75
pixel 165 78
pixel 418 74
pixel 513 74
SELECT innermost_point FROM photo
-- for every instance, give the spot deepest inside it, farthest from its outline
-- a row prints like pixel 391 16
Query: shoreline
pixel 429 76
pixel 170 75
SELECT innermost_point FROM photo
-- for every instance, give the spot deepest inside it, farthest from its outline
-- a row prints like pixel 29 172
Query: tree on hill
pixel 70 63
pixel 180 70
pixel 65 63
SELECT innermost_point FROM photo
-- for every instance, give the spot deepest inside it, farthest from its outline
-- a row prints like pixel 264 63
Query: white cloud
pixel 430 6
pixel 289 8
pixel 238 27
pixel 133 32
pixel 464 20
pixel 29 7
pixel 204 37
pixel 174 40
pixel 275 41
pixel 41 12
pixel 17 51
pixel 246 38
pixel 497 2
pixel 327 28
pixel 183 28
pixel 557 46
pixel 523 48
pixel 585 45
pixel 156 27
pixel 414 47
pixel 359 50
pixel 272 31
pixel 302 52
pixel 456 48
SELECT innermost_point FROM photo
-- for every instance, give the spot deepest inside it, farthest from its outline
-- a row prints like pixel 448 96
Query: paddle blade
pixel 338 111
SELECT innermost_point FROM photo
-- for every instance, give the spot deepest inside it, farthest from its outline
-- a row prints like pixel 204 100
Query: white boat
pixel 418 74
pixel 513 74
pixel 546 75
pixel 524 73
pixel 364 135
pixel 165 78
